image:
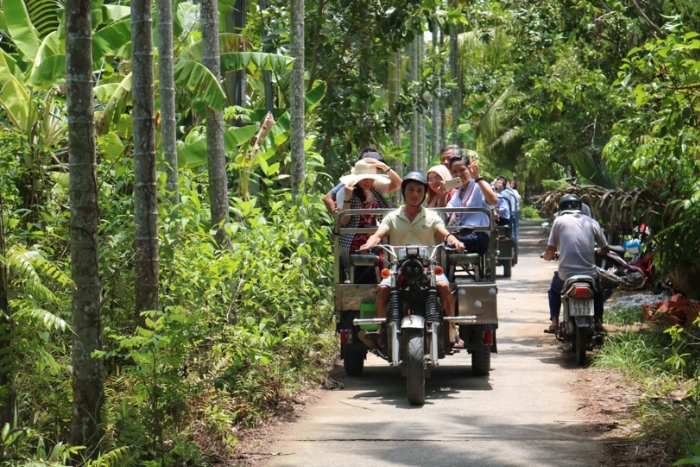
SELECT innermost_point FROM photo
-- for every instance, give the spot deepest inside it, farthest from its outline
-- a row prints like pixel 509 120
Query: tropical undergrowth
pixel 664 361
pixel 238 334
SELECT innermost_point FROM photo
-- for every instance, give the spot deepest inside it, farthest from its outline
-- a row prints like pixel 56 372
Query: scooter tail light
pixel 488 338
pixel 438 270
pixel 343 336
pixel 386 274
pixel 583 292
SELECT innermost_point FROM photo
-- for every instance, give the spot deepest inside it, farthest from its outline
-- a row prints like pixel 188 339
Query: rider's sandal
pixel 459 344
pixel 552 329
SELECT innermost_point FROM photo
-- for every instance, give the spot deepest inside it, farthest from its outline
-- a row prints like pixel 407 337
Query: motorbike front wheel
pixel 581 334
pixel 415 376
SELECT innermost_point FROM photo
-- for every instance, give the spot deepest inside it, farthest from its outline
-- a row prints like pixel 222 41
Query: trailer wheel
pixel 353 361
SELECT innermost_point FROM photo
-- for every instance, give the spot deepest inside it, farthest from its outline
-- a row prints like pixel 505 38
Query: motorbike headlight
pixel 412 270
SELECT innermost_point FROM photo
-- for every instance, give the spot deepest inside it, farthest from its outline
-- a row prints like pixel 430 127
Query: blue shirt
pixel 475 199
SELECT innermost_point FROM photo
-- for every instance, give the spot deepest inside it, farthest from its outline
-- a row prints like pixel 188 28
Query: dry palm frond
pixel 618 211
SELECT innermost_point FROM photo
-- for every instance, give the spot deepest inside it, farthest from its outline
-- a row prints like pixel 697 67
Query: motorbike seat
pixel 619 249
pixel 459 259
pixel 364 260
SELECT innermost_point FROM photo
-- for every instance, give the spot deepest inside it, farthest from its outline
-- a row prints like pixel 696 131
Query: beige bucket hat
pixel 361 171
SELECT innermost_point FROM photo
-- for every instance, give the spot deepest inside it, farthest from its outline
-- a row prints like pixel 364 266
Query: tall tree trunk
pixel 394 90
pixel 6 360
pixel 216 153
pixel 145 192
pixel 88 372
pixel 436 110
pixel 413 76
pixel 168 121
pixel 269 96
pixel 235 81
pixel 456 72
pixel 420 54
pixel 297 98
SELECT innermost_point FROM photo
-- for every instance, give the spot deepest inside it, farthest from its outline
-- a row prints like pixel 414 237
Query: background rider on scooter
pixel 575 236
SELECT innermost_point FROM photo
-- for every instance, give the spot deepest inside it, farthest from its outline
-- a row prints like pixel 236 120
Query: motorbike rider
pixel 413 224
pixel 575 236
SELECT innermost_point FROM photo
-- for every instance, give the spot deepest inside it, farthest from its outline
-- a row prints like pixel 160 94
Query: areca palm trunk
pixel 6 371
pixel 216 153
pixel 145 191
pixel 166 76
pixel 297 101
pixel 456 73
pixel 88 372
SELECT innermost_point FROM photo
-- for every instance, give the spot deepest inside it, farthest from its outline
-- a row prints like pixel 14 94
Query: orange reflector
pixel 488 337
pixel 583 292
pixel 438 270
pixel 386 273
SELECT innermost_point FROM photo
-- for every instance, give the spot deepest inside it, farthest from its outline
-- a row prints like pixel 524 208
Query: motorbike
pixel 577 327
pixel 636 274
pixel 416 333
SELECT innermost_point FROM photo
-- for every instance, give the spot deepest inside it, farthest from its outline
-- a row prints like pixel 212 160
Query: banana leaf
pixel 591 170
pixel 21 29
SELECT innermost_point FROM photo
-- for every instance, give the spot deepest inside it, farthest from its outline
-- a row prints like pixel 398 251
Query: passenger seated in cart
pixel 413 224
pixel 503 213
pixel 330 199
pixel 361 191
pixel 475 192
pixel 439 194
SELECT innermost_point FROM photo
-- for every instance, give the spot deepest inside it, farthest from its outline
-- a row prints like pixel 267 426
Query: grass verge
pixel 664 361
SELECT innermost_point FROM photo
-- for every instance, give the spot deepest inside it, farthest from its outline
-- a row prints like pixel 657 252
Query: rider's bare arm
pixel 603 250
pixel 443 233
pixel 375 239
pixel 489 195
pixel 549 253
pixel 330 203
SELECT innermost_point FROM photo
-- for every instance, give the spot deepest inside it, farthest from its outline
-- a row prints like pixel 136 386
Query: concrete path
pixel 521 415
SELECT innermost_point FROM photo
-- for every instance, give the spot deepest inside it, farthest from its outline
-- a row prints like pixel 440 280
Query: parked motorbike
pixel 636 274
pixel 577 327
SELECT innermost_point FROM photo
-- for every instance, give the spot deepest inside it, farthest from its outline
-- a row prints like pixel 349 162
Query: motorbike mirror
pixel 545 225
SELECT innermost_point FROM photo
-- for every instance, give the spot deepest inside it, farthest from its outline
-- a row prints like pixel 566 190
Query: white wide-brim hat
pixel 362 171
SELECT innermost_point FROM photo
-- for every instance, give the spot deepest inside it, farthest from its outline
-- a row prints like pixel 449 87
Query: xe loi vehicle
pixel 416 332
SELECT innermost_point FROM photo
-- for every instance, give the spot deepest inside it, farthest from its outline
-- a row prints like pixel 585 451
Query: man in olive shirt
pixel 413 224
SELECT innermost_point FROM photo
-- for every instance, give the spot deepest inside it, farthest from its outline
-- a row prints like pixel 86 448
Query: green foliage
pixel 529 213
pixel 656 145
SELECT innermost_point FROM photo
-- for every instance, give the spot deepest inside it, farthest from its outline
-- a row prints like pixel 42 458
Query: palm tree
pixel 88 372
pixel 297 100
pixel 216 154
pixel 145 190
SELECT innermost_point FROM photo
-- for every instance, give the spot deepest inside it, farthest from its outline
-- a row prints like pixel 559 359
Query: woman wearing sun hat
pixel 363 189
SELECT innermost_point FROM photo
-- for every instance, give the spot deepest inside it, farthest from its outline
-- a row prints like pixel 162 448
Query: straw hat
pixel 361 171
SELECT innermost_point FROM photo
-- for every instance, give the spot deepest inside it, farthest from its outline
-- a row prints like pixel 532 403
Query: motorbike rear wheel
pixel 415 375
pixel 481 362
pixel 581 345
pixel 353 361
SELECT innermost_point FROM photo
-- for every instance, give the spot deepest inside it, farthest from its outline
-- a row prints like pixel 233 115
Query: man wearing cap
pixel 413 224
